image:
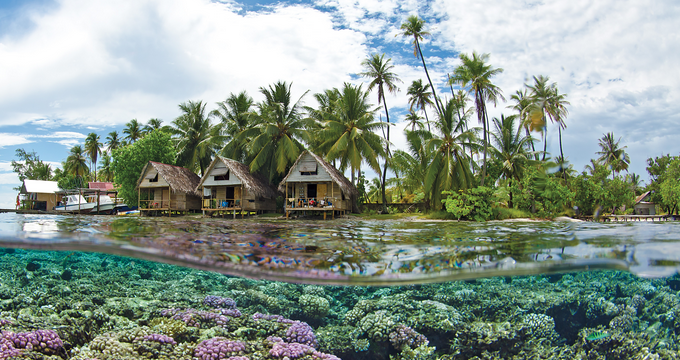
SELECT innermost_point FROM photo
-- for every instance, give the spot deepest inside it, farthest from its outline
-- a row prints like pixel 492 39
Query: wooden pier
pixel 628 218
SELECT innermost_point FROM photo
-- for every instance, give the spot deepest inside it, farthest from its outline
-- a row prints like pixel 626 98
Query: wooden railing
pixel 156 204
pixel 317 203
pixel 218 204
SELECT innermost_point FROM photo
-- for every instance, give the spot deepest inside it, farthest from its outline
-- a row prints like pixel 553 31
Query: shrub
pixel 472 203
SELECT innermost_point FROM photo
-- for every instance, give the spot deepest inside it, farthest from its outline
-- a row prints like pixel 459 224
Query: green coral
pixel 377 325
pixel 314 306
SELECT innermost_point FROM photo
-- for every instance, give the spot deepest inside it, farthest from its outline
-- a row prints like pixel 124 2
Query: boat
pixel 75 202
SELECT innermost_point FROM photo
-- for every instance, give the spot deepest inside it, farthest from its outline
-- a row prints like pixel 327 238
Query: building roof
pixel 345 185
pixel 641 197
pixel 100 185
pixel 254 183
pixel 39 186
pixel 180 179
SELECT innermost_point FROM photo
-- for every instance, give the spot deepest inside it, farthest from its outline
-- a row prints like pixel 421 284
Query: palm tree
pixel 414 120
pixel 112 141
pixel 510 148
pixel 277 138
pixel 348 131
pixel 133 131
pixel 546 103
pixel 450 166
pixel 195 137
pixel 414 26
pixel 381 75
pixel 612 155
pixel 76 162
pixel 236 117
pixel 522 105
pixel 419 97
pixel 151 125
pixel 327 101
pixel 105 170
pixel 476 73
pixel 93 149
pixel 413 165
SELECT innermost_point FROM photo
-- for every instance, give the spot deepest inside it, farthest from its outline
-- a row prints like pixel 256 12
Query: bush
pixel 500 213
pixel 472 203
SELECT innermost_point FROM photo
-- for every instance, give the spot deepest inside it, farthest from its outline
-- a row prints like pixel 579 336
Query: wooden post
pixel 98 200
pixel 139 199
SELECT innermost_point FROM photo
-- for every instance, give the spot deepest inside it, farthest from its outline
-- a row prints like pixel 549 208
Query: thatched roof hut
pixel 254 184
pixel 307 163
pixel 180 180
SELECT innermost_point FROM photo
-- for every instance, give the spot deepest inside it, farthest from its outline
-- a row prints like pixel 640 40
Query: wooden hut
pixel 167 188
pixel 40 194
pixel 314 185
pixel 228 187
pixel 644 205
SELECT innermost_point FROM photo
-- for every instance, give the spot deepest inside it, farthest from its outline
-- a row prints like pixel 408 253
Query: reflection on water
pixel 359 252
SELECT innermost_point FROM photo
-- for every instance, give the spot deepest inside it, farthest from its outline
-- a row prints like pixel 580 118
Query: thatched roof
pixel 337 177
pixel 181 180
pixel 253 183
pixel 640 198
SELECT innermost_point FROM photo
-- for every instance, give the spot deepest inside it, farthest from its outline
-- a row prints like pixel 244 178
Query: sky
pixel 72 67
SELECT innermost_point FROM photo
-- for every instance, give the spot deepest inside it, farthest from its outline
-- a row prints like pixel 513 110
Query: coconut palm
pixel 475 74
pixel 414 120
pixel 112 141
pixel 420 97
pixel 151 125
pixel 348 131
pixel 236 117
pixel 546 103
pixel 93 149
pixel 105 170
pixel 612 155
pixel 76 162
pixel 450 166
pixel 379 71
pixel 522 105
pixel 510 148
pixel 413 165
pixel 133 131
pixel 277 139
pixel 414 26
pixel 195 137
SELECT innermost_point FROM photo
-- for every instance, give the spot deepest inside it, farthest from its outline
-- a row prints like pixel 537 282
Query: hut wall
pixel 146 183
pixel 321 174
pixel 645 209
pixel 193 202
pixel 181 201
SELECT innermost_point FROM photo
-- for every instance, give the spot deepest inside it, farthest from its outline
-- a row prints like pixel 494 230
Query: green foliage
pixel 474 203
pixel 29 166
pixel 500 213
pixel 69 181
pixel 361 188
pixel 670 187
pixel 129 161
pixel 658 170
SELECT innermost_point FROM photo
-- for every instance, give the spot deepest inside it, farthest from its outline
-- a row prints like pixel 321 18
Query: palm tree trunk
pixel 510 188
pixel 387 155
pixel 427 120
pixel 559 131
pixel 480 116
pixel 434 92
pixel 545 138
pixel 531 141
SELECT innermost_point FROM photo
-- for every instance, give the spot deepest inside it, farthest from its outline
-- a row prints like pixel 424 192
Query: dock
pixel 632 218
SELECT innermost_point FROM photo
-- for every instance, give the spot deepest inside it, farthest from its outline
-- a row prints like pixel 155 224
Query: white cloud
pixel 9 178
pixel 13 139
pixel 87 62
pixel 69 143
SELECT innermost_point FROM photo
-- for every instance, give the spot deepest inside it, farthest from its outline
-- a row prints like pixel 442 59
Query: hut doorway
pixel 230 192
pixel 311 191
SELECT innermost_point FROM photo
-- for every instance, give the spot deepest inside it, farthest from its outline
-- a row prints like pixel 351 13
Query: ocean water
pixel 98 287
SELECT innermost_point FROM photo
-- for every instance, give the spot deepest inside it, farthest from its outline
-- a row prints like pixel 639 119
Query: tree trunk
pixel 545 137
pixel 559 131
pixel 480 116
pixel 427 120
pixel 510 191
pixel 434 92
pixel 387 155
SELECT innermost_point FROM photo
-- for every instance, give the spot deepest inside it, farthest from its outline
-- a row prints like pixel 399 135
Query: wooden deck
pixel 627 218
pixel 324 209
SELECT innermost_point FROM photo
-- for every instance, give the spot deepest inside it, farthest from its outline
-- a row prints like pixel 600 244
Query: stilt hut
pixel 228 187
pixel 167 188
pixel 40 194
pixel 314 185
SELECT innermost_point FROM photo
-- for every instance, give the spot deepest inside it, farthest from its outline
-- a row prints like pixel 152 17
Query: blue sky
pixel 71 67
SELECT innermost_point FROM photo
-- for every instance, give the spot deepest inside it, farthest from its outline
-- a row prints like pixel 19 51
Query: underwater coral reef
pixel 74 305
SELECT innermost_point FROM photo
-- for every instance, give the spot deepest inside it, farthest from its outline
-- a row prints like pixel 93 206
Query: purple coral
pixel 218 348
pixel 404 335
pixel 4 322
pixel 277 318
pixel 294 350
pixel 44 341
pixel 196 318
pixel 219 302
pixel 161 339
pixel 300 332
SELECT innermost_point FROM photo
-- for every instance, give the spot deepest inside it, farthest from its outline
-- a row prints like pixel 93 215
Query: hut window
pixel 222 177
pixel 308 168
pixel 155 178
